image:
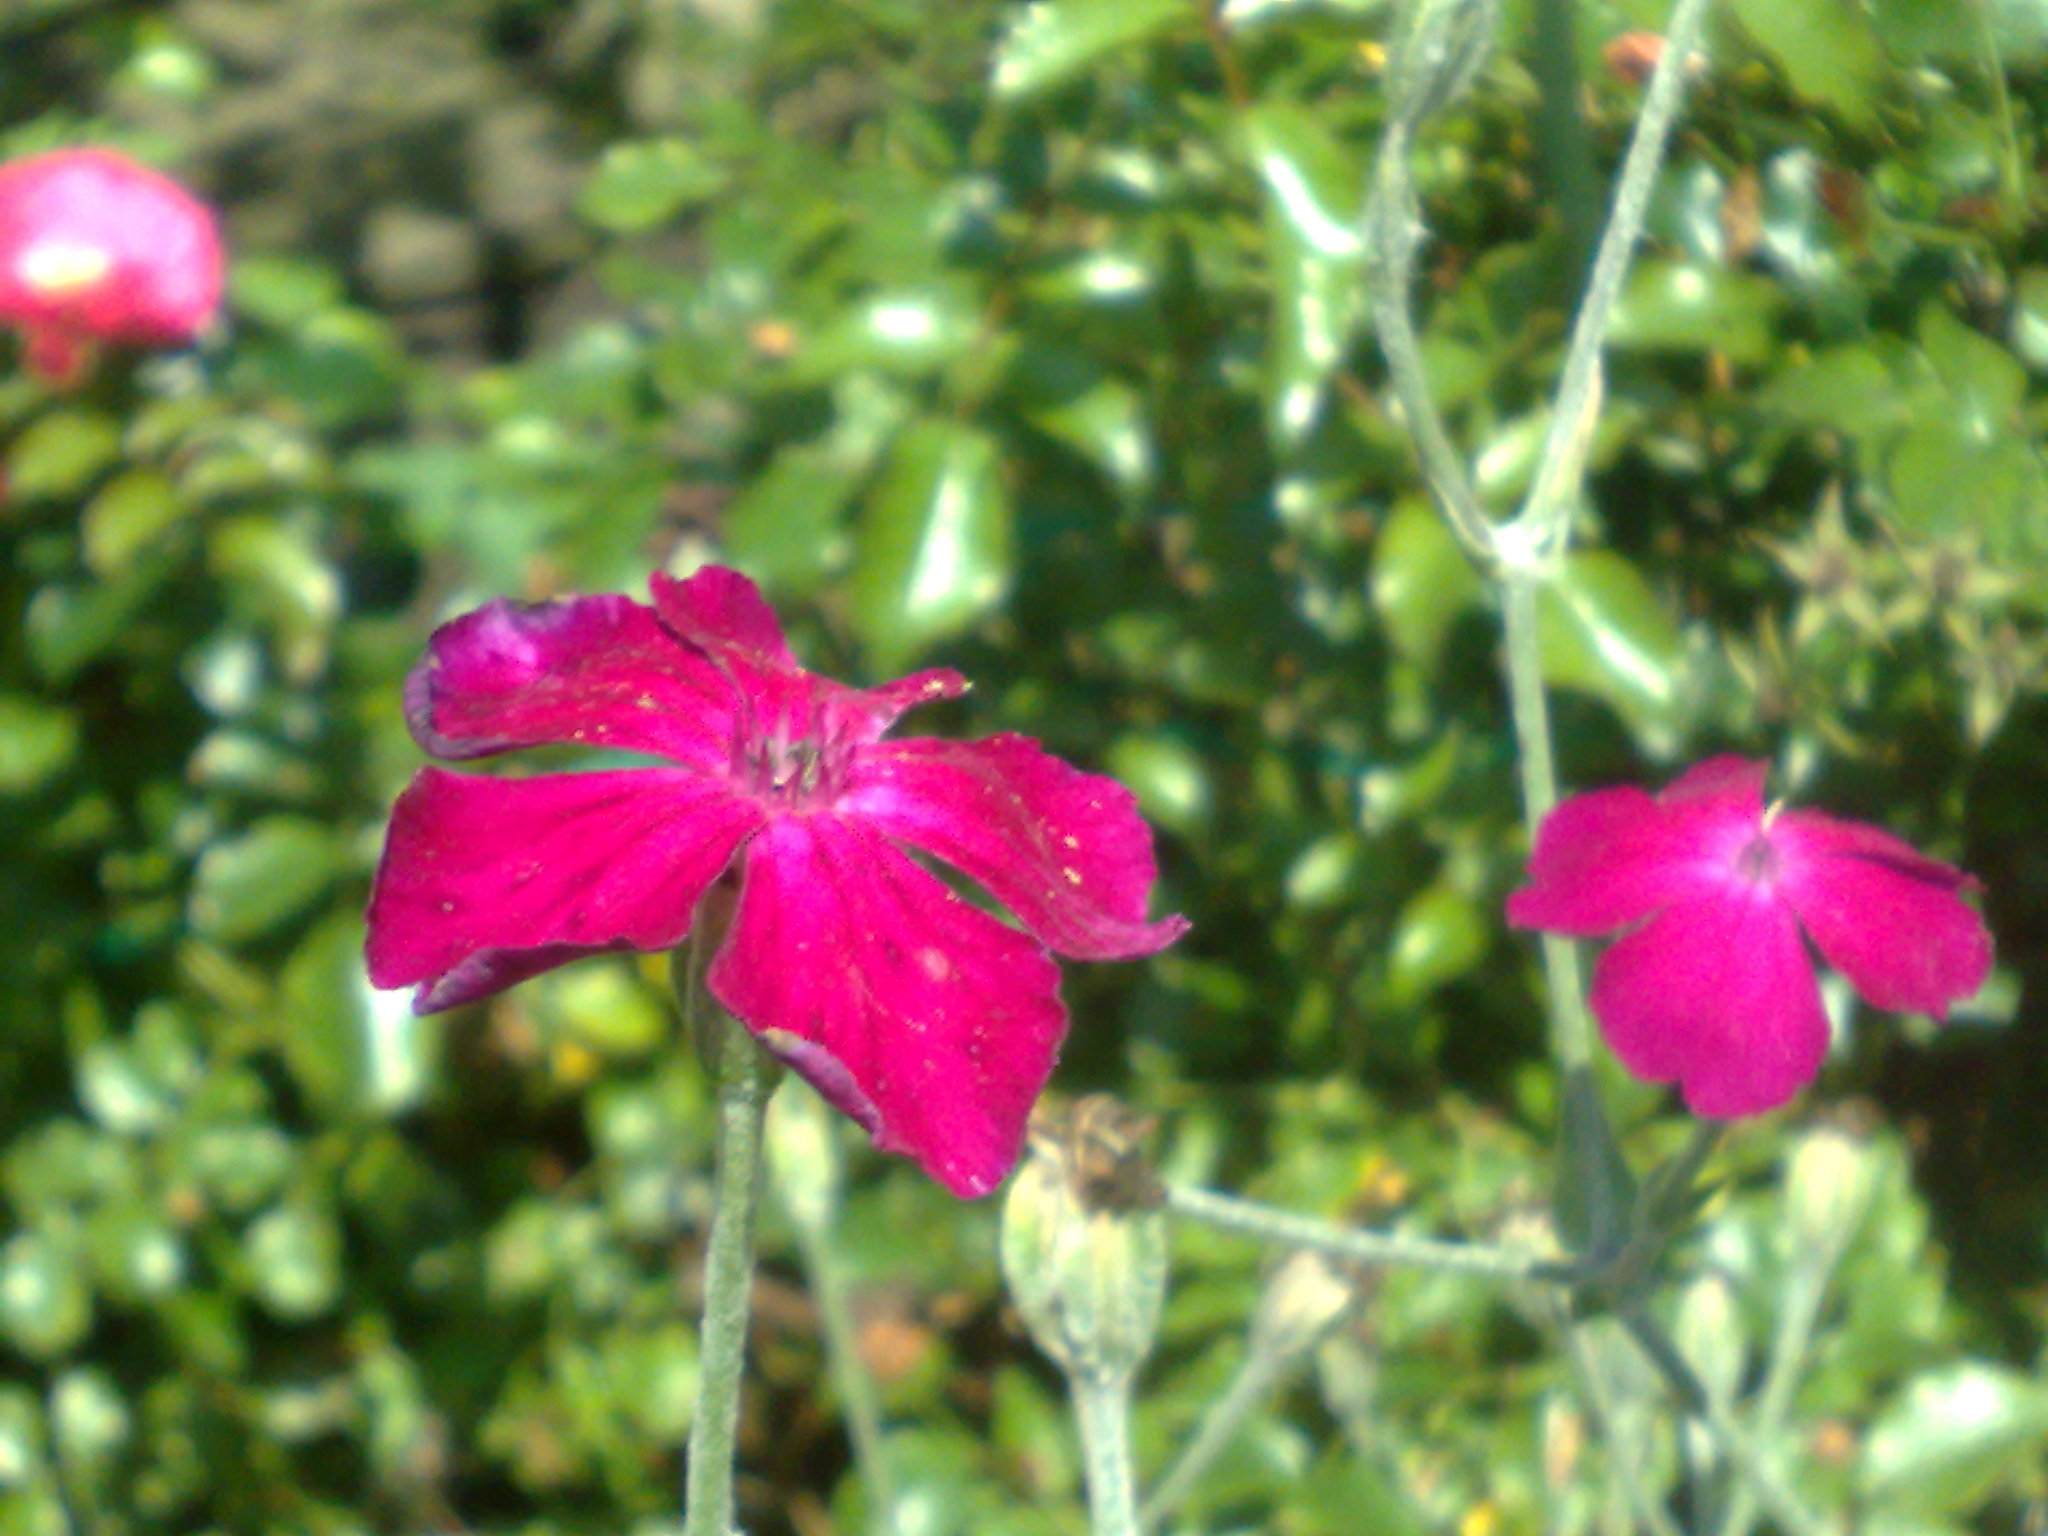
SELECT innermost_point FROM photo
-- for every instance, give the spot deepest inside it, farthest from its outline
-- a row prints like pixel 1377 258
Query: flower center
pixel 796 770
pixel 1757 863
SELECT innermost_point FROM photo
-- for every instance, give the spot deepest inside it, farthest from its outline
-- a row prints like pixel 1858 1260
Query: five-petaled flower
pixel 1710 985
pixel 95 248
pixel 927 1020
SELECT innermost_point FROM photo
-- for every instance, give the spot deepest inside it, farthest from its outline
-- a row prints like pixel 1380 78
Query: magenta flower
pixel 1710 985
pixel 95 248
pixel 928 1021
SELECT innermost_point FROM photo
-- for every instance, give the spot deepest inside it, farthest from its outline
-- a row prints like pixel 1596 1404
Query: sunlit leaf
pixel 933 553
pixel 1605 632
pixel 639 184
pixel 1049 42
pixel 1828 52
pixel 1955 1434
pixel 1313 186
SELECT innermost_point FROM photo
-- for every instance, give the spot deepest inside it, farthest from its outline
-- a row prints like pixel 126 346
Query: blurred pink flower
pixel 928 1021
pixel 95 248
pixel 1711 985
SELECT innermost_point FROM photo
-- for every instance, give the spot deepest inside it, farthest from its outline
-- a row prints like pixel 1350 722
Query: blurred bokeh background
pixel 1027 338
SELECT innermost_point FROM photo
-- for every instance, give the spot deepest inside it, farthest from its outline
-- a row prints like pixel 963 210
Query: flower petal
pixel 493 970
pixel 597 670
pixel 1718 995
pixel 1066 851
pixel 724 615
pixel 1884 916
pixel 1612 857
pixel 560 864
pixel 718 609
pixel 930 1023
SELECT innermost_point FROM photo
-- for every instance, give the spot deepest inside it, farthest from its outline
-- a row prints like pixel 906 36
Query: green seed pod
pixel 1828 1185
pixel 1084 1244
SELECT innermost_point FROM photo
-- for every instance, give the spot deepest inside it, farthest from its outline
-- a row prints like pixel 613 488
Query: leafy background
pixel 1026 337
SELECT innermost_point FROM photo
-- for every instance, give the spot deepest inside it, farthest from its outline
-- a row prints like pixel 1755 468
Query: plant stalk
pixel 1102 1405
pixel 1249 1217
pixel 743 1083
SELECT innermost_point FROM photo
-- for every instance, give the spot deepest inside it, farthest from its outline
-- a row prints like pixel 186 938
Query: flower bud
pixel 1828 1185
pixel 803 1155
pixel 1084 1243
pixel 1308 1295
pixel 1709 1333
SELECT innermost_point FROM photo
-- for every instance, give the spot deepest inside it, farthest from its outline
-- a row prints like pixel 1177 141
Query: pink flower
pixel 928 1021
pixel 95 248
pixel 1711 985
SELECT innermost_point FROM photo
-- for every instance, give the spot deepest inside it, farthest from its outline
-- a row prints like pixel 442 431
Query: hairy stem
pixel 1249 1217
pixel 1544 522
pixel 1738 1448
pixel 728 1282
pixel 1102 1405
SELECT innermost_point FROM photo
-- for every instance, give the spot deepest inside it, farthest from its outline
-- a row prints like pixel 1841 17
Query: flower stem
pixel 1275 1226
pixel 857 1397
pixel 743 1082
pixel 1393 231
pixel 1737 1447
pixel 1543 525
pixel 1616 1410
pixel 1260 1372
pixel 1571 1032
pixel 1102 1404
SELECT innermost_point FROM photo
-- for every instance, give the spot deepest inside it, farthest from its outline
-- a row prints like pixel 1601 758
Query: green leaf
pixel 129 513
pixel 294 1256
pixel 1828 52
pixel 89 1420
pixel 341 366
pixel 601 1008
pixel 907 333
pixel 60 454
pixel 2029 324
pixel 788 526
pixel 639 185
pixel 1438 937
pixel 1965 464
pixel 71 626
pixel 282 290
pixel 1312 183
pixel 45 1300
pixel 1604 631
pixel 1170 778
pixel 278 572
pixel 1849 388
pixel 37 742
pixel 1955 1435
pixel 1422 580
pixel 1049 42
pixel 934 551
pixel 353 1051
pixel 249 885
pixel 1672 306
pixel 1074 400
pixel 1596 1193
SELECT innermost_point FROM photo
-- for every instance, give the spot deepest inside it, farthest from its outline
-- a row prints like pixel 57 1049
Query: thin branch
pixel 1542 528
pixel 1249 1217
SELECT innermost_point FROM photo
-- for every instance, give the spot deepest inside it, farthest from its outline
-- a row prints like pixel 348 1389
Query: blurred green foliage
pixel 1025 336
